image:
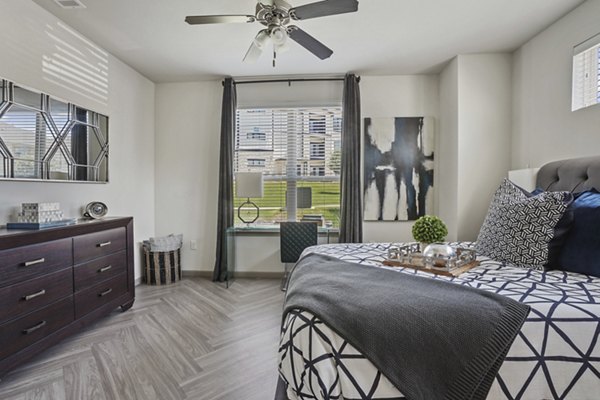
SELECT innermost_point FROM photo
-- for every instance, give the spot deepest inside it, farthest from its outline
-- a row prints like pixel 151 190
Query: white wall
pixel 32 39
pixel 544 127
pixel 475 94
pixel 484 118
pixel 447 172
pixel 282 94
pixel 400 96
pixel 188 120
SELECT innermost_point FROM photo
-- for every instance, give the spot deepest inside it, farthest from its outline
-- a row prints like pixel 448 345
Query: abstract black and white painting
pixel 398 168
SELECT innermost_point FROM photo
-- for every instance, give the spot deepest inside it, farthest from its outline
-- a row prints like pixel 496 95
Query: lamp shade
pixel 524 178
pixel 279 35
pixel 249 184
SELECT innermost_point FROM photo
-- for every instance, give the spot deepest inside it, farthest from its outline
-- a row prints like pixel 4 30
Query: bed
pixel 556 354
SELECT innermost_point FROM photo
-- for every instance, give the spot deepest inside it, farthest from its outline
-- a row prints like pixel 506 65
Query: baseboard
pixel 262 275
pixel 237 274
pixel 196 274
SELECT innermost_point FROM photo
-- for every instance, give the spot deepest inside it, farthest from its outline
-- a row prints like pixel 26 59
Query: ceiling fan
pixel 276 16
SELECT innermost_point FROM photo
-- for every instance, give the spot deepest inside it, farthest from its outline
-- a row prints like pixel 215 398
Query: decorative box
pixel 410 256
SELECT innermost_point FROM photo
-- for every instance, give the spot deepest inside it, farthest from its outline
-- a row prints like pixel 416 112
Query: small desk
pixel 233 233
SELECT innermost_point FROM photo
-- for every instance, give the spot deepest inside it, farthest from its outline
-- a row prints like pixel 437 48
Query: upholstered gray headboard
pixel 573 175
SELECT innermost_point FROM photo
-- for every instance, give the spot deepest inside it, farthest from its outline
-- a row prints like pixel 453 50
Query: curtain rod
pixel 289 80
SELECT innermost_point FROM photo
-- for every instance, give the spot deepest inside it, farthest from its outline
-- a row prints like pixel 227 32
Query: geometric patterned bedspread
pixel 556 355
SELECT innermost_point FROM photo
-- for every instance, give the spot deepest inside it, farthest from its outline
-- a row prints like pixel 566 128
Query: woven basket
pixel 162 267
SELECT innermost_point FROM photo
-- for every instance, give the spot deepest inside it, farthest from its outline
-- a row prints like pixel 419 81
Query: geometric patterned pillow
pixel 518 228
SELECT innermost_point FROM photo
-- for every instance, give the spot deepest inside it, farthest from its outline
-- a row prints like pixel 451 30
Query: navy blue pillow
pixel 561 230
pixel 581 250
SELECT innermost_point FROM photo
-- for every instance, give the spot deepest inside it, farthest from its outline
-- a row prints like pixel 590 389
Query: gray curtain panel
pixel 225 211
pixel 351 201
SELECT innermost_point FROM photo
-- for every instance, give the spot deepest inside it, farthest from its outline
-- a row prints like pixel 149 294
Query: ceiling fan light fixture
pixel 275 16
pixel 253 54
pixel 279 35
pixel 281 48
pixel 261 39
pixel 257 46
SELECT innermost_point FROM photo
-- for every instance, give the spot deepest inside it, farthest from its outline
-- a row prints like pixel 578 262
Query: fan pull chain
pixel 274 57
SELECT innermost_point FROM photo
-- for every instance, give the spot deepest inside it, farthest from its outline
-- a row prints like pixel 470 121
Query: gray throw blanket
pixel 432 339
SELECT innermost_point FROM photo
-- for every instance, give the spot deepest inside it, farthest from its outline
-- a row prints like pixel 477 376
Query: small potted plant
pixel 429 229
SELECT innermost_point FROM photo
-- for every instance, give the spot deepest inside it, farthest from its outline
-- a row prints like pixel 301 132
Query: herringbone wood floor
pixel 191 340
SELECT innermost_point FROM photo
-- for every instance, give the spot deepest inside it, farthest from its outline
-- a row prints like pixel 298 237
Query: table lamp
pixel 248 184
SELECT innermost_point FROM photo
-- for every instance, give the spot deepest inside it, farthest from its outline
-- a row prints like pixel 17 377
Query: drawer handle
pixel 107 291
pixel 104 244
pixel 34 295
pixel 34 328
pixel 34 262
pixel 108 267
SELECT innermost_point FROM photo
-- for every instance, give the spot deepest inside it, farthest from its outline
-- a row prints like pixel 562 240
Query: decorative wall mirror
pixel 44 138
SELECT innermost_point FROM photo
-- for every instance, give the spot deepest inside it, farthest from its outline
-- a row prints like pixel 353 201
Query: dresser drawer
pixel 24 331
pixel 94 245
pixel 23 298
pixel 100 269
pixel 26 262
pixel 96 296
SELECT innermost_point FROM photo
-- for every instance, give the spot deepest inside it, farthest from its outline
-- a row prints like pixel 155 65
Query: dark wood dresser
pixel 55 281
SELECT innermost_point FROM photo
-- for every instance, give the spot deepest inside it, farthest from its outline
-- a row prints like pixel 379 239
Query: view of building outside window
pixel 586 74
pixel 294 148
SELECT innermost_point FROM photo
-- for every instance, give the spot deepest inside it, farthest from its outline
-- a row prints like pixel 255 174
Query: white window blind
pixel 294 147
pixel 586 73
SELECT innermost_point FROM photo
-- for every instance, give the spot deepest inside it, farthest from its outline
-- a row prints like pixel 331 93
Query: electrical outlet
pixel 193 245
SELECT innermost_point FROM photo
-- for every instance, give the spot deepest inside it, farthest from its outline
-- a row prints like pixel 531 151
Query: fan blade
pixel 309 43
pixel 282 4
pixel 217 19
pixel 324 8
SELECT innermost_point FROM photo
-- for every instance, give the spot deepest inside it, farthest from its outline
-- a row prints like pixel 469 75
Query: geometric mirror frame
pixel 45 138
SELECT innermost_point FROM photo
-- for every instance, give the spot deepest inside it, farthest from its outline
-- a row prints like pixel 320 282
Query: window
pixel 337 124
pixel 256 162
pixel 317 124
pixel 586 74
pixel 251 134
pixel 317 171
pixel 317 151
pixel 256 134
pixel 294 148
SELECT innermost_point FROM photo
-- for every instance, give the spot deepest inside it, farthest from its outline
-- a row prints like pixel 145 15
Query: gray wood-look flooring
pixel 191 340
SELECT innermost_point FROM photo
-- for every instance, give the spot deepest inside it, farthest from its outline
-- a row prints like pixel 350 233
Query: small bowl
pixel 439 250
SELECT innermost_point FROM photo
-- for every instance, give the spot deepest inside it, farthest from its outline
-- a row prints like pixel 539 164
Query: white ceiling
pixel 385 37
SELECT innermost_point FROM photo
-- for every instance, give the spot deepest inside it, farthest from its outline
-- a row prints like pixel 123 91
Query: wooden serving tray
pixel 436 271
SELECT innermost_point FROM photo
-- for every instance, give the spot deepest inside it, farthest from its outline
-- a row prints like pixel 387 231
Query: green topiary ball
pixel 429 229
